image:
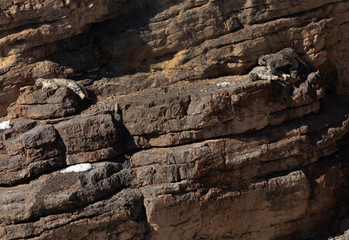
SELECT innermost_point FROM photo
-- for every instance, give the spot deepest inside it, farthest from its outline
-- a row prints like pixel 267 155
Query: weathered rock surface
pixel 89 138
pixel 234 177
pixel 42 105
pixel 194 111
pixel 58 192
pixel 182 144
pixel 119 217
pixel 175 39
pixel 30 154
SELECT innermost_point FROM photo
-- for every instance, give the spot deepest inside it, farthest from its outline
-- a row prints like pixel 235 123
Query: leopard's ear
pixel 262 61
pixel 38 81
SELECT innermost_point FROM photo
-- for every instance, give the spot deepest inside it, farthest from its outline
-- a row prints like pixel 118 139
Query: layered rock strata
pixel 171 40
pixel 182 145
pixel 286 166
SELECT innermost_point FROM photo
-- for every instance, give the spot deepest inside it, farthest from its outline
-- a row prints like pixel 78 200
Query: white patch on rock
pixel 223 84
pixel 83 167
pixel 5 125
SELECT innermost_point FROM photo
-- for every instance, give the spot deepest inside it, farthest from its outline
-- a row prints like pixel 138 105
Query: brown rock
pixel 90 138
pixel 189 112
pixel 207 154
pixel 176 40
pixel 30 154
pixel 37 104
pixel 58 192
pixel 183 184
pixel 119 217
pixel 264 200
pixel 22 125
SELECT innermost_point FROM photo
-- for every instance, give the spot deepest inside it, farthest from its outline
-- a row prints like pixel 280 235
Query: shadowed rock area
pixel 204 119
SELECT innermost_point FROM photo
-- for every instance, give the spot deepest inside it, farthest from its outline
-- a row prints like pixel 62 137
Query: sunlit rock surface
pixel 182 145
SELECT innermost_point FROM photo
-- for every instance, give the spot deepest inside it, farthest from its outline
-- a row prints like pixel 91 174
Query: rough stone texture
pixel 89 138
pixel 58 192
pixel 45 104
pixel 189 112
pixel 30 154
pixel 182 144
pixel 175 39
pixel 234 178
pixel 119 217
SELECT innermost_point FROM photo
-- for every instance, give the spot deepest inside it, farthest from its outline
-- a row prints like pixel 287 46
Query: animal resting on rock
pixel 56 83
pixel 283 64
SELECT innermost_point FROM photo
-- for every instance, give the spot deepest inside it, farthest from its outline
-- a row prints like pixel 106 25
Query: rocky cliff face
pixel 182 144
